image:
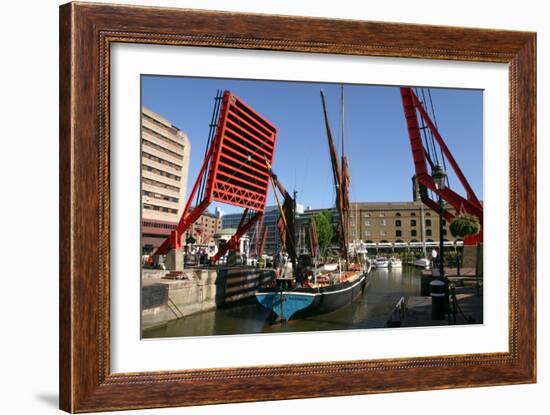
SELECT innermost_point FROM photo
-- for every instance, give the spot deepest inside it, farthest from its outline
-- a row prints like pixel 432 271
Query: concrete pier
pixel 197 290
pixel 416 311
pixel 469 298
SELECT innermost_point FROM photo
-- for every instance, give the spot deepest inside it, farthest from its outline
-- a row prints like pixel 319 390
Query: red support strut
pixel 241 230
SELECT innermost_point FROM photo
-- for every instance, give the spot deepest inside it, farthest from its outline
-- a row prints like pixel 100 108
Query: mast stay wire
pixel 435 123
pixel 427 131
pixel 211 134
pixel 431 147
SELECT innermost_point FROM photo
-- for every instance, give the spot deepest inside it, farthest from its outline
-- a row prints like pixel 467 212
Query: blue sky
pixel 376 138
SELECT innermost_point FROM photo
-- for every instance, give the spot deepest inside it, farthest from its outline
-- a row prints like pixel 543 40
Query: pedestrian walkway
pixel 469 311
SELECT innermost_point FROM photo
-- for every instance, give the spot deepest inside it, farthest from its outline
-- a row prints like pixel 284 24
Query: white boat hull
pixel 422 263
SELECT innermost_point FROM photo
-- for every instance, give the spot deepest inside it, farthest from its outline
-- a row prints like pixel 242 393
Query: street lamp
pixel 440 177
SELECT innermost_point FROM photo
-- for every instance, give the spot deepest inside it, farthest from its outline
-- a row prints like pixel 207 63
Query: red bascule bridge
pixel 240 150
pixel 240 146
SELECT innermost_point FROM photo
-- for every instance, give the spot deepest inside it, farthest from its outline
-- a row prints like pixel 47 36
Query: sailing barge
pixel 316 299
pixel 332 286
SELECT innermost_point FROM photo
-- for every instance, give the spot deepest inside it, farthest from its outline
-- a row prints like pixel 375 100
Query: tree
pixel 464 225
pixel 325 231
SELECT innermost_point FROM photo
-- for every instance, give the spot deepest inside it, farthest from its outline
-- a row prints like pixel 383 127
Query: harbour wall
pixel 198 290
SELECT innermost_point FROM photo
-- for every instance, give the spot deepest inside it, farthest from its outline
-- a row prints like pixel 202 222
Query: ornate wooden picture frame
pixel 87 32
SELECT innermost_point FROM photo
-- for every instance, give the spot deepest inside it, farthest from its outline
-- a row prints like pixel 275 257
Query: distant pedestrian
pixel 434 257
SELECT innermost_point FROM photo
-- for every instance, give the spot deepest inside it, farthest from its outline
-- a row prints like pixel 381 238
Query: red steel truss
pixel 234 168
pixel 413 109
pixel 244 140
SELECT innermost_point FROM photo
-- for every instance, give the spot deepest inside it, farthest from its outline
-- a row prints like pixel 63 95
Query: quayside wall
pixel 198 290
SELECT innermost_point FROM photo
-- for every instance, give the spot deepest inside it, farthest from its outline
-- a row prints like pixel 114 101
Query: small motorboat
pixel 422 263
pixel 328 267
pixel 381 262
pixel 395 262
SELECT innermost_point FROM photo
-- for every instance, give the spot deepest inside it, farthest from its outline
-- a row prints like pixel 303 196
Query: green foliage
pixel 464 225
pixel 325 230
pixel 451 258
pixel 261 262
pixel 190 240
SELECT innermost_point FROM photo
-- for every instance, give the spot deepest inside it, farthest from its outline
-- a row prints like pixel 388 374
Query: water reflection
pixel 371 310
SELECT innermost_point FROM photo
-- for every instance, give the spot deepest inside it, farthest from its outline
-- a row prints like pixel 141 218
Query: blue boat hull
pixel 303 302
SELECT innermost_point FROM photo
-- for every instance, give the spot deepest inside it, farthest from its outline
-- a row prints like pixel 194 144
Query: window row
pixel 398 222
pixel 399 233
pixel 161 149
pixel 172 129
pixel 159 225
pixel 163 138
pixel 161 161
pixel 159 208
pixel 383 214
pixel 159 184
pixel 162 173
pixel 161 197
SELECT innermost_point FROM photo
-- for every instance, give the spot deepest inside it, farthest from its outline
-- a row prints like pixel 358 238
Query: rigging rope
pixel 211 134
pixel 427 131
pixel 435 123
pixel 427 146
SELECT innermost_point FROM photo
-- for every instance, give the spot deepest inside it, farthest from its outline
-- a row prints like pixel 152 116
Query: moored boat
pixel 381 262
pixel 422 263
pixel 317 299
pixel 395 262
pixel 328 267
pixel 317 290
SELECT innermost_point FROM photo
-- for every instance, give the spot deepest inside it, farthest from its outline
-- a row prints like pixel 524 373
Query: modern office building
pixel 271 215
pixel 165 152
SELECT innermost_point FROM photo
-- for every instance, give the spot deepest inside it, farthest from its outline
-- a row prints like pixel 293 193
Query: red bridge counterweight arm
pixel 413 108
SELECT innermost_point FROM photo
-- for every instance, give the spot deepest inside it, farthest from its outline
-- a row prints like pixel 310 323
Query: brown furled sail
pixel 286 233
pixel 345 201
pixel 341 198
pixel 285 223
pixel 344 181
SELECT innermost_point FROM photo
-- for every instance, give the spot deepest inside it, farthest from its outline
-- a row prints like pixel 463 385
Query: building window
pixel 382 233
pixel 428 214
pixel 413 214
pixel 398 214
pixel 428 222
pixel 413 232
pixel 398 233
pixel 428 232
pixel 367 223
pixel 381 214
pixel 368 233
pixel 382 222
pixel 398 222
pixel 413 222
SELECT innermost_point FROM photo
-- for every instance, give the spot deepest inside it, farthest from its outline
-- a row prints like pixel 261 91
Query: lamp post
pixel 439 176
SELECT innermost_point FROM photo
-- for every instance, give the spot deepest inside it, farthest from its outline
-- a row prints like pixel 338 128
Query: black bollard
pixel 437 292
